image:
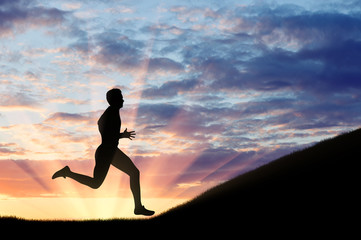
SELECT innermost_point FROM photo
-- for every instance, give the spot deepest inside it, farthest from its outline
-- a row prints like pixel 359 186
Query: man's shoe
pixel 143 211
pixel 61 173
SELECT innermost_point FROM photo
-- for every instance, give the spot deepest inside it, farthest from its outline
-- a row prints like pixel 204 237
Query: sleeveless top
pixel 109 127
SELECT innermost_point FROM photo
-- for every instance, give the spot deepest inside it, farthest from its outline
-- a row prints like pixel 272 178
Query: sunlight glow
pixel 79 208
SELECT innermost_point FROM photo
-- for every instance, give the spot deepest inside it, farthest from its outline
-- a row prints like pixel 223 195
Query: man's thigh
pixel 124 163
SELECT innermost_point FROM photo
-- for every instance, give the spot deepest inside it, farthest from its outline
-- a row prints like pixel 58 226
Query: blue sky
pixel 212 88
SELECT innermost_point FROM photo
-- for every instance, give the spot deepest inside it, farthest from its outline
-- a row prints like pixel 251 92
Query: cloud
pixel 156 113
pixel 72 117
pixel 19 15
pixel 18 101
pixel 10 148
pixel 120 51
pixel 72 6
pixel 60 136
pixel 317 70
pixel 340 65
pixel 193 14
pixel 164 64
pixel 169 89
pixel 320 28
pixel 283 50
pixel 129 55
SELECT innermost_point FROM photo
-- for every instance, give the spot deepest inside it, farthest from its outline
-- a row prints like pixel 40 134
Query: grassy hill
pixel 308 189
pixel 312 187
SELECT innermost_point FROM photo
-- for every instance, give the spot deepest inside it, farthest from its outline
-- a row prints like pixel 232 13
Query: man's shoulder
pixel 109 113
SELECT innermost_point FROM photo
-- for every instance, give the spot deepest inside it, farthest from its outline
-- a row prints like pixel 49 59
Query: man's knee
pixel 134 173
pixel 96 184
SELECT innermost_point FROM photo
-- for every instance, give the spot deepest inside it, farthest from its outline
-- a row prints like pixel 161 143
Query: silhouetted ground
pixel 315 189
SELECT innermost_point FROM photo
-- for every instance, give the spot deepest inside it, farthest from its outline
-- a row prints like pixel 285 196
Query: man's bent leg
pixel 93 182
pixel 100 172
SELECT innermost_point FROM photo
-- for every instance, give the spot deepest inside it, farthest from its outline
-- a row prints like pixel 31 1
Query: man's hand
pixel 129 135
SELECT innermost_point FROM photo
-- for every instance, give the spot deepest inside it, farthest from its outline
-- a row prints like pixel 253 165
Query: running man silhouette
pixel 108 153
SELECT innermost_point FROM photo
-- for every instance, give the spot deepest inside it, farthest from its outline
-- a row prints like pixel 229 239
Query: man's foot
pixel 143 211
pixel 61 173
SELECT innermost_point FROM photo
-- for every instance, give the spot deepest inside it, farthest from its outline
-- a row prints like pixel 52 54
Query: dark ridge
pixel 312 190
pixel 317 185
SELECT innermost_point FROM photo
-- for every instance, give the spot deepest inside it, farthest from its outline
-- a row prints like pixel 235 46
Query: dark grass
pixel 305 189
pixel 309 189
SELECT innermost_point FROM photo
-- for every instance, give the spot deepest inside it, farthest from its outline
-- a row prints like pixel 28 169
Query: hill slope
pixel 317 185
pixel 313 191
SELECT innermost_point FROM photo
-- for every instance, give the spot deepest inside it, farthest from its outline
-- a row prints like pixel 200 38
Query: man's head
pixel 115 98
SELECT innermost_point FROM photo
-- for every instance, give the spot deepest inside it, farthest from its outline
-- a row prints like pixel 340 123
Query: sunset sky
pixel 212 88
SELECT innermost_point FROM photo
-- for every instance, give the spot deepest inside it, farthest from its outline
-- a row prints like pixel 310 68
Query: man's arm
pixel 126 134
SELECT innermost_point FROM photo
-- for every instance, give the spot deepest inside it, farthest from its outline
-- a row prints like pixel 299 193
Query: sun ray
pixel 176 164
pixel 26 167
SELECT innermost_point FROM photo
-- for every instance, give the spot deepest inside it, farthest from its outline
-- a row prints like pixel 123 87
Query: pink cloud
pixel 19 101
pixel 10 148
